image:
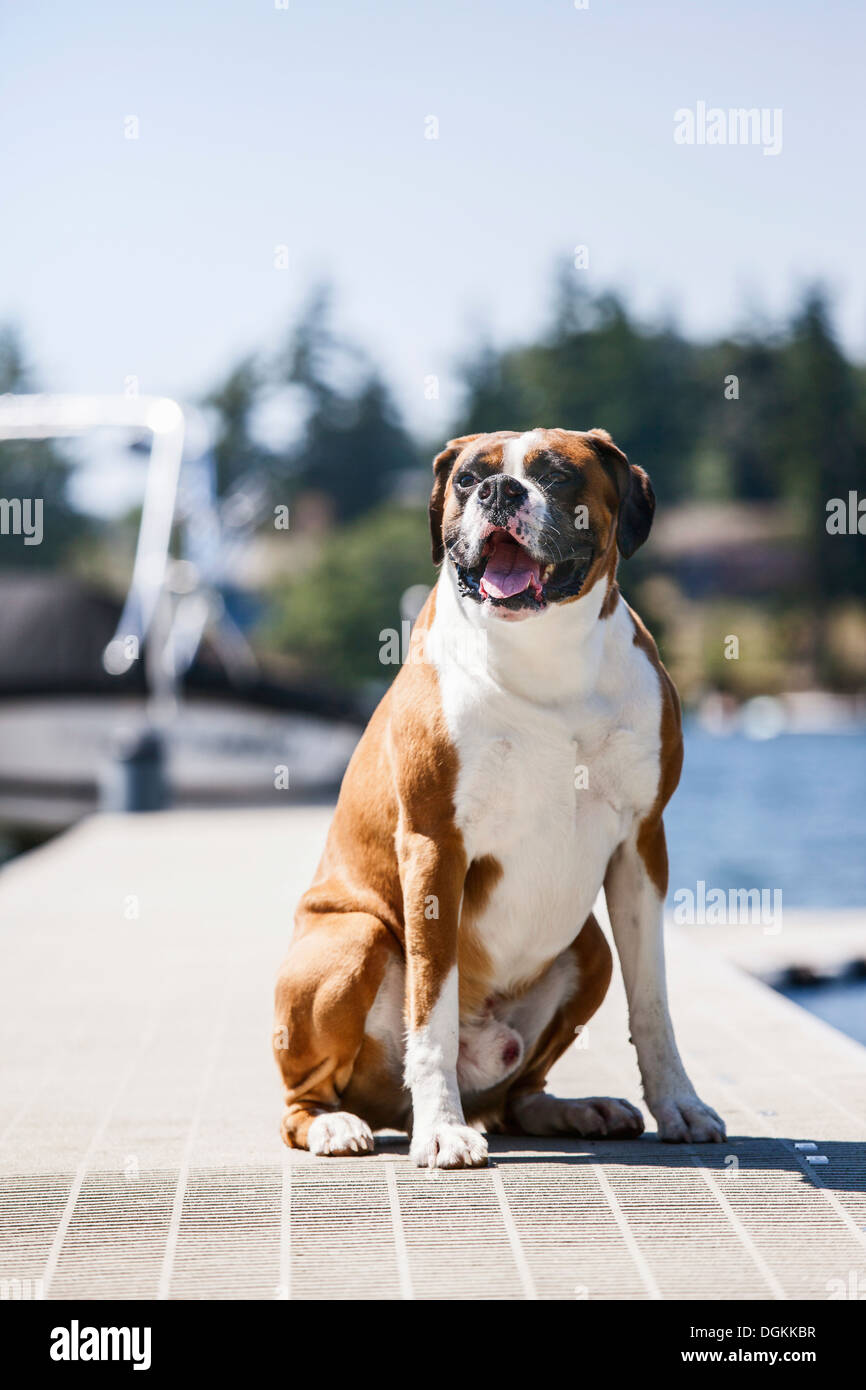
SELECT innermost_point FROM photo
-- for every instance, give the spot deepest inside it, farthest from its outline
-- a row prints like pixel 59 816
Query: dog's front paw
pixel 686 1119
pixel 339 1135
pixel 449 1146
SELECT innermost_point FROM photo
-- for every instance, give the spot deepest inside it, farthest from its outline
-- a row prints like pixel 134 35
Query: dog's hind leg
pixel 529 1109
pixel 325 989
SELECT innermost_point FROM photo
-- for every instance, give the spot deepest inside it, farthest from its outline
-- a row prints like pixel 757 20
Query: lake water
pixel 786 812
pixel 841 1003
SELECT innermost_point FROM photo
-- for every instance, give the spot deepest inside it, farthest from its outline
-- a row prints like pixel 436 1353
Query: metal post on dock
pixel 135 780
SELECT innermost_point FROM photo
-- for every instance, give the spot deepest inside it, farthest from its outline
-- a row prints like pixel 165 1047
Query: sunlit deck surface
pixel 139 1151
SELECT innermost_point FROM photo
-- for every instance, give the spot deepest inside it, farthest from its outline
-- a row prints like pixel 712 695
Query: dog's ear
pixel 637 502
pixel 442 465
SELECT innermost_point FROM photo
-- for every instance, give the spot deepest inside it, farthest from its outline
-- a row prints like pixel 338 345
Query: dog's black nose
pixel 501 491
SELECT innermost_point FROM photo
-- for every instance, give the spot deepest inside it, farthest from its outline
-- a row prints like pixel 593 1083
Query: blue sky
pixel 304 127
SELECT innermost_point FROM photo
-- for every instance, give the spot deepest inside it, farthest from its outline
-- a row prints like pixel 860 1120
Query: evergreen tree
pixel 34 469
pixel 353 447
pixel 824 444
pixel 234 401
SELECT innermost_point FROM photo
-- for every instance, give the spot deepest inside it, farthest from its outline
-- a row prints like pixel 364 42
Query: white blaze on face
pixel 531 515
pixel 513 463
pixel 515 451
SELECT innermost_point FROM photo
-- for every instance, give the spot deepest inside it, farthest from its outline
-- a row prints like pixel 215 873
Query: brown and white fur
pixel 446 952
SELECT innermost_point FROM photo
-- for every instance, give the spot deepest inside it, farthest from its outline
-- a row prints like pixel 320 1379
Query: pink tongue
pixel 509 570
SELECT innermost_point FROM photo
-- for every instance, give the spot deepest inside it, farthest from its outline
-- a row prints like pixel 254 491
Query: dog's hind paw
pixel 596 1117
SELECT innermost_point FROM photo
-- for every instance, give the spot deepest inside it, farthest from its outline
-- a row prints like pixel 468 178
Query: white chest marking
pixel 558 748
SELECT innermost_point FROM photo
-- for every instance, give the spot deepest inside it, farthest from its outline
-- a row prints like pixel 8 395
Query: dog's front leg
pixel 635 901
pixel 432 872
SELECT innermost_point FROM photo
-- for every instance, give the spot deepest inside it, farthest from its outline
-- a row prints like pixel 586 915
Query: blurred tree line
pixel 762 417
pixel 770 417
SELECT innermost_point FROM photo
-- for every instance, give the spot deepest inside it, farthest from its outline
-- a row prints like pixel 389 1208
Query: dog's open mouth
pixel 509 569
pixel 508 577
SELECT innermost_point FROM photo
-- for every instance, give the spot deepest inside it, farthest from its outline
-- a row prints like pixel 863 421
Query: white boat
pixel 92 690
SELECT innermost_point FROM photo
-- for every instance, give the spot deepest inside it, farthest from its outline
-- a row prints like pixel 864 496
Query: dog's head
pixel 530 520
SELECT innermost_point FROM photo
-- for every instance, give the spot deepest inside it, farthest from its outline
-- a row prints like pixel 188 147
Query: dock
pixel 139 1111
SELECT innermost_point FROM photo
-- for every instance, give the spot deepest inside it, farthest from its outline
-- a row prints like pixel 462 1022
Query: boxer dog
pixel 447 953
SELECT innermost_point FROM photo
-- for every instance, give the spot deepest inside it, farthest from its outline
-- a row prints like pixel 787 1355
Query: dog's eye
pixel 466 480
pixel 556 478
